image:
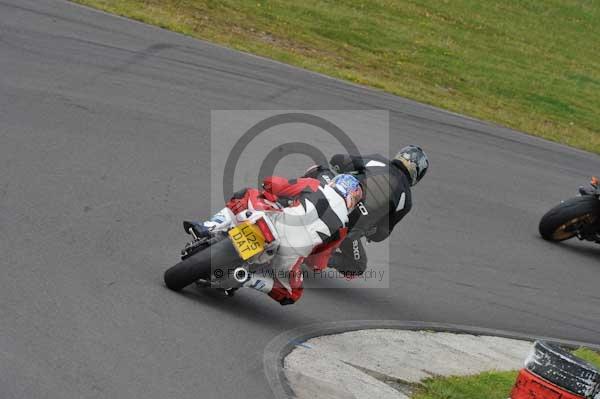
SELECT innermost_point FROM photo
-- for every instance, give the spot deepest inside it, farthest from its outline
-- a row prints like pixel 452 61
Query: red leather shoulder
pixel 283 187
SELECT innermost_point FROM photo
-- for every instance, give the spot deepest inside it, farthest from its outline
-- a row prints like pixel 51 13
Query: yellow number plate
pixel 247 239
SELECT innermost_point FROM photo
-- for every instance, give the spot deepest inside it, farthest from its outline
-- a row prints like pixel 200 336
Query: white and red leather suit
pixel 311 225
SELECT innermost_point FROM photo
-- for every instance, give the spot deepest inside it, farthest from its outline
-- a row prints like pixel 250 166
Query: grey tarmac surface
pixel 104 147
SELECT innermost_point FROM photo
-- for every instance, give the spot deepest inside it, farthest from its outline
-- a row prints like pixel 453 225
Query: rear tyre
pixel 217 259
pixel 560 222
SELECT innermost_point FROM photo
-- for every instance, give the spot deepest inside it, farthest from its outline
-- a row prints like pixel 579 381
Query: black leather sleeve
pixel 385 225
pixel 344 163
pixel 382 229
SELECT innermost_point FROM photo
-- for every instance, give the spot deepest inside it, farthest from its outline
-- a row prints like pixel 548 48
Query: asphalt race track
pixel 104 147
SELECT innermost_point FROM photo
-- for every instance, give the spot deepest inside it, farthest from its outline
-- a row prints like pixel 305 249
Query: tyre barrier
pixel 530 386
pixel 553 373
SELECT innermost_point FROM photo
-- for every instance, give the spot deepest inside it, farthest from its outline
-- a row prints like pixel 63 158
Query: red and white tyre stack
pixel 552 373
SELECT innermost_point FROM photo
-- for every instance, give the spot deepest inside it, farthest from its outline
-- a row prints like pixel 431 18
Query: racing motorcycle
pixel 225 259
pixel 576 217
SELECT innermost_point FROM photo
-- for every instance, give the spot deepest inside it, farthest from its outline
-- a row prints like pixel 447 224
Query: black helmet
pixel 414 161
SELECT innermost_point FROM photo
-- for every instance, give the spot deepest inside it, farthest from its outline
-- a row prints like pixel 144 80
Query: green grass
pixel 588 355
pixel 490 385
pixel 529 64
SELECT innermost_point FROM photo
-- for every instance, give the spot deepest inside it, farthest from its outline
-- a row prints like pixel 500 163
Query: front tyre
pixel 563 221
pixel 219 257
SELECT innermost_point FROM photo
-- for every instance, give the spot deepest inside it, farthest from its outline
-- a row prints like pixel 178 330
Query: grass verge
pixel 533 65
pixel 489 385
pixel 588 355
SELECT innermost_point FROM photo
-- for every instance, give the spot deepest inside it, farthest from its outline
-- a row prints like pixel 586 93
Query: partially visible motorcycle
pixel 576 217
pixel 224 260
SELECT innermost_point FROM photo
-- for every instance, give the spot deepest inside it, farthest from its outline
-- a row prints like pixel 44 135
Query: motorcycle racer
pixel 387 199
pixel 310 224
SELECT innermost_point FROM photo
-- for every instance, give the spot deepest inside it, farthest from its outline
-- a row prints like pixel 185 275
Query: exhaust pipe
pixel 241 275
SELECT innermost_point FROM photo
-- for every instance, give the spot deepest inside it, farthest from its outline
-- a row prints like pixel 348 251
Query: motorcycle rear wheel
pixel 217 259
pixel 560 222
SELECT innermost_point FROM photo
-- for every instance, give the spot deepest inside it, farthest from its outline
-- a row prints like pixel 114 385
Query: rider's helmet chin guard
pixel 349 188
pixel 414 160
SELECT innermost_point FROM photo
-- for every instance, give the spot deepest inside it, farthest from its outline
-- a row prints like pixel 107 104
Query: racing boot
pixel 251 280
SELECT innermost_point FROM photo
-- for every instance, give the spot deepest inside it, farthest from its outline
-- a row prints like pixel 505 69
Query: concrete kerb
pixel 278 348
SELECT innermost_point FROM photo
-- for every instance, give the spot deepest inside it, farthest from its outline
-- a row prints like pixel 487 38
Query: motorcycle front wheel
pixel 217 260
pixel 564 220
